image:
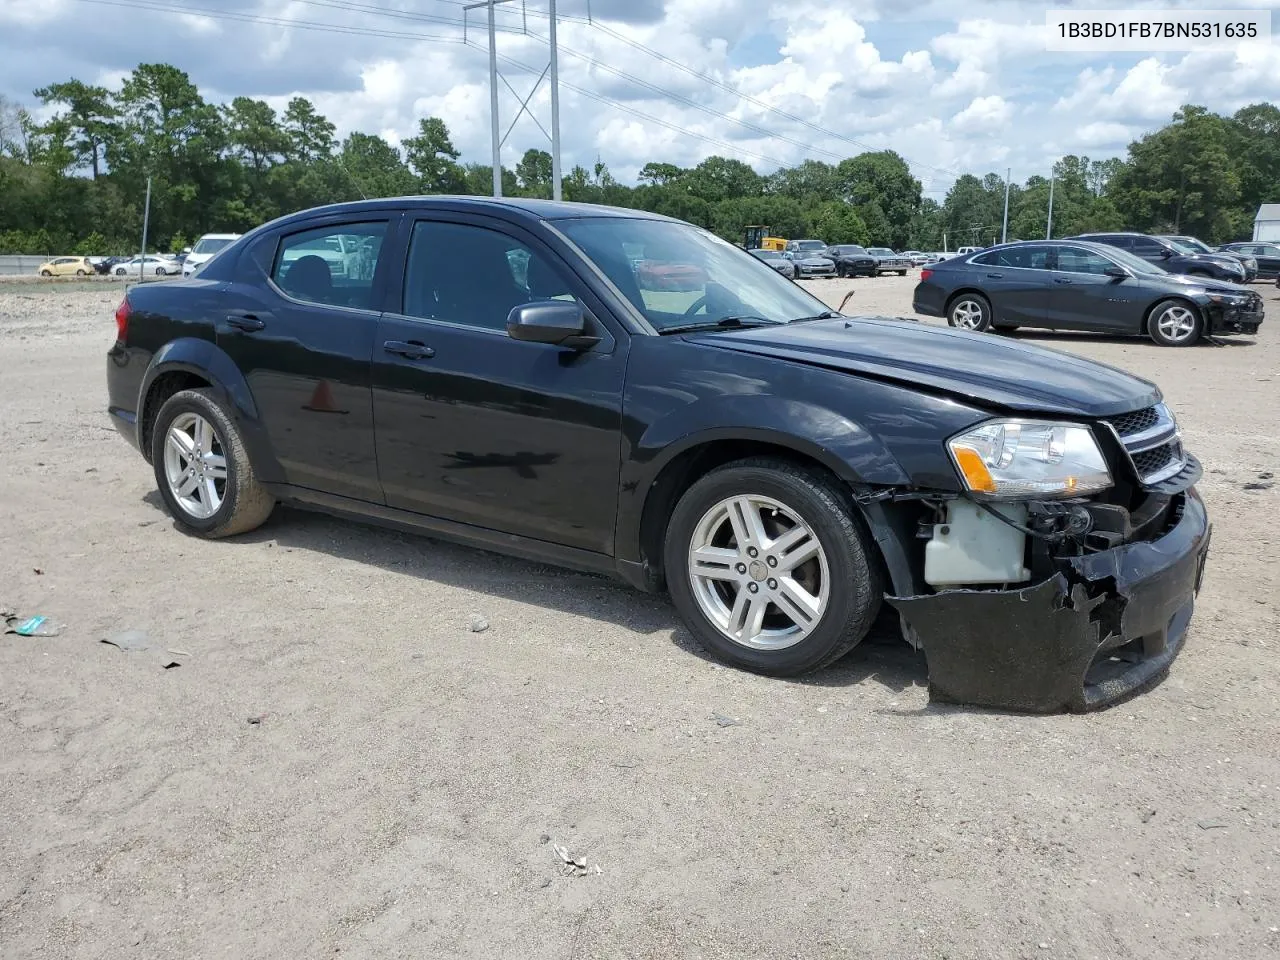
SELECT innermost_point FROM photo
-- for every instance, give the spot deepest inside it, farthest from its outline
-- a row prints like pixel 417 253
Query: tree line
pixel 76 183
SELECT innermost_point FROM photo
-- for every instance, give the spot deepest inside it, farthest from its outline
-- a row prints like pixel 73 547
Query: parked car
pixel 889 262
pixel 1192 245
pixel 775 259
pixel 204 249
pixel 1078 285
pixel 1171 258
pixel 153 265
pixel 1266 255
pixel 851 260
pixel 918 258
pixel 66 267
pixel 965 251
pixel 105 265
pixel 805 247
pixel 811 264
pixel 779 467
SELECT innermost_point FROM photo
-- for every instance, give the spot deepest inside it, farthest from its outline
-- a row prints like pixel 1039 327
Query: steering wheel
pixel 696 306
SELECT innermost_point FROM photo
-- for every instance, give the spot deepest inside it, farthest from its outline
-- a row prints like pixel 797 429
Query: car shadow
pixel 883 657
pixel 1066 337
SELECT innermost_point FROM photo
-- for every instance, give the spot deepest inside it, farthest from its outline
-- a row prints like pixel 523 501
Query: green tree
pixel 89 115
pixel 254 133
pixel 887 196
pixel 434 158
pixel 717 178
pixel 533 173
pixel 660 174
pixel 375 167
pixel 812 180
pixel 311 136
pixel 1182 178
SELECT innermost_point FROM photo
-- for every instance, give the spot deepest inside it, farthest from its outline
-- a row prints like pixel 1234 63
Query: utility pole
pixel 493 104
pixel 555 109
pixel 146 217
pixel 1048 231
pixel 1004 229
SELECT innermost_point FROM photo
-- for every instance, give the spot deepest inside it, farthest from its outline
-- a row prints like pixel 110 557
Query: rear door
pixel 1268 257
pixel 303 338
pixel 1016 280
pixel 1084 297
pixel 476 427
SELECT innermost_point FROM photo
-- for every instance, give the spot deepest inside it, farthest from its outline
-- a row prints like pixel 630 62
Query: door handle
pixel 245 321
pixel 1061 280
pixel 409 348
pixel 995 276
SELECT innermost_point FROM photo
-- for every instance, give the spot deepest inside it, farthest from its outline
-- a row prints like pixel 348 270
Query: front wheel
pixel 121 272
pixel 81 273
pixel 970 311
pixel 769 568
pixel 46 273
pixel 902 273
pixel 1175 323
pixel 203 470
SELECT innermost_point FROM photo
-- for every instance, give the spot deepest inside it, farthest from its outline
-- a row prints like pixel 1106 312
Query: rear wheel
pixel 970 311
pixel 902 273
pixel 203 470
pixel 121 272
pixel 82 273
pixel 769 568
pixel 1175 323
pixel 46 273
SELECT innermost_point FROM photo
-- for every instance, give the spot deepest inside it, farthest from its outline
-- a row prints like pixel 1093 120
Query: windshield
pixel 684 274
pixel 208 245
pixel 1133 261
pixel 1190 245
pixel 850 250
pixel 766 254
pixel 1182 246
pixel 808 246
pixel 881 252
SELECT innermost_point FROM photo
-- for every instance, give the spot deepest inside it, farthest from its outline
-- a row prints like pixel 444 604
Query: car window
pixel 1267 249
pixel 332 265
pixel 1146 247
pixel 1075 260
pixel 473 275
pixel 1028 258
pixel 702 278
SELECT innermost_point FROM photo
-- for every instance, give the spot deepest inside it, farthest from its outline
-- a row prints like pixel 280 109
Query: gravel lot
pixel 407 779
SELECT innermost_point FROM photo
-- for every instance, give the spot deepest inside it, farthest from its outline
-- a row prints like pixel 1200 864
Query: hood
pixel 991 370
pixel 1225 259
pixel 1194 285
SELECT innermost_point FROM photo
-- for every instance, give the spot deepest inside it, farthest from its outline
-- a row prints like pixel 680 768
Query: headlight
pixel 1016 459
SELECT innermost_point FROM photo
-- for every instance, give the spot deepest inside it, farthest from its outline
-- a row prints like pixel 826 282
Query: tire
pixel 46 273
pixel 1175 323
pixel 160 272
pixel 81 273
pixel 121 272
pixel 970 311
pixel 244 503
pixel 842 577
pixel 840 271
pixel 902 273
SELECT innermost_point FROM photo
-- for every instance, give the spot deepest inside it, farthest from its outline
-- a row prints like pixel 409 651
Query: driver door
pixel 476 427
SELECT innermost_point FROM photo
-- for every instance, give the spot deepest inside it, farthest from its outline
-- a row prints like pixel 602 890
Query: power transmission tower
pixel 553 66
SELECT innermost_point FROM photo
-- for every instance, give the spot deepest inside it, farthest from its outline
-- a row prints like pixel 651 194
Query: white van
pixel 204 250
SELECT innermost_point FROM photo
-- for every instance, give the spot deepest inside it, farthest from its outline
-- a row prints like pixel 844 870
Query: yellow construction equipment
pixel 757 237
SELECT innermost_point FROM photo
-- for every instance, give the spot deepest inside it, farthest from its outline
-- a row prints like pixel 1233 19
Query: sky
pixel 953 87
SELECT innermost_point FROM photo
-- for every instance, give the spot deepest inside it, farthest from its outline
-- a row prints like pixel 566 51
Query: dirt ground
pixel 407 780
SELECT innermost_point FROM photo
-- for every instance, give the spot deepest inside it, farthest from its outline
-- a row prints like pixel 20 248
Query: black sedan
pixel 1196 245
pixel 1173 258
pixel 782 469
pixel 851 260
pixel 1267 255
pixel 1075 285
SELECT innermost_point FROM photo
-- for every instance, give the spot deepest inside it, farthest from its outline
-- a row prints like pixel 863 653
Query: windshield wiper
pixel 825 315
pixel 724 323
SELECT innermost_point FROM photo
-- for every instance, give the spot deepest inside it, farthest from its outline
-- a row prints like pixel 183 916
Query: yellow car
pixel 66 267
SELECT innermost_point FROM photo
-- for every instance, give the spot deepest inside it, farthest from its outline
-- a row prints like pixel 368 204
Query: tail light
pixel 122 319
pixel 925 273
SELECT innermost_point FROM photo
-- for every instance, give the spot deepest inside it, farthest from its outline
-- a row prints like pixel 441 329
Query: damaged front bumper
pixel 1102 627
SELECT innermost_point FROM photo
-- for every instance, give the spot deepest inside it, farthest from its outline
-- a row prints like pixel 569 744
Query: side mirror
pixel 1120 273
pixel 186 249
pixel 1165 253
pixel 558 322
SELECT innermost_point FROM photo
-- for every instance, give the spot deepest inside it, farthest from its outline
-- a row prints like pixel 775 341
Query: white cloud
pixel 982 116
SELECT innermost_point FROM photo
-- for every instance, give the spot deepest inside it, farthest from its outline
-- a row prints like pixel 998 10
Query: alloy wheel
pixel 758 572
pixel 967 314
pixel 195 465
pixel 1176 324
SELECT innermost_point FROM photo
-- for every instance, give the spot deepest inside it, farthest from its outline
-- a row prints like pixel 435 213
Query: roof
pixel 512 208
pixel 1268 211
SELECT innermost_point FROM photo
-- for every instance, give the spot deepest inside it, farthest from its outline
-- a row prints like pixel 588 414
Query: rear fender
pixel 206 360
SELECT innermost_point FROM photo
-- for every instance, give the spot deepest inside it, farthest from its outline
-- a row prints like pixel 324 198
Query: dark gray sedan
pixel 775 259
pixel 1076 285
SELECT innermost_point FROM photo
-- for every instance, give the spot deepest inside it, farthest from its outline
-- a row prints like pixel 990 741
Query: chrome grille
pixel 1152 441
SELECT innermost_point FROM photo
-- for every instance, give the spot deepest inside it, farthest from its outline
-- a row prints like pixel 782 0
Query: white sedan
pixel 157 266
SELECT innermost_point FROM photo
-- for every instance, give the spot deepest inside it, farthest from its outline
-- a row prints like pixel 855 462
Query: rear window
pixel 331 265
